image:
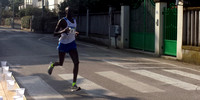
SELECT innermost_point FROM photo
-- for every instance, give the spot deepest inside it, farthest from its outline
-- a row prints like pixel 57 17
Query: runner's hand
pixel 76 33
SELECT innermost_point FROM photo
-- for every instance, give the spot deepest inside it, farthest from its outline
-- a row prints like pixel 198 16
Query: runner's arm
pixel 60 28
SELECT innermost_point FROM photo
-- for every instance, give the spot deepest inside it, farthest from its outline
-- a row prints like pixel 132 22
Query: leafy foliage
pixel 8 21
pixel 34 11
pixel 26 21
pixel 7 14
pixel 80 6
pixel 4 3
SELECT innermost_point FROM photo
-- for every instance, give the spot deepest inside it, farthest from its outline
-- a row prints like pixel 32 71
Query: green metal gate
pixel 142 26
pixel 170 31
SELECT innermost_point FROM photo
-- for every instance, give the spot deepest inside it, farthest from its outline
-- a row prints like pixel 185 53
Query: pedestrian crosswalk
pixel 167 80
pixel 88 86
pixel 141 80
pixel 185 74
pixel 36 86
pixel 136 85
pixel 129 82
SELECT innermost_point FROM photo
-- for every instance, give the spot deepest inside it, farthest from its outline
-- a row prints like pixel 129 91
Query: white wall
pixel 34 3
pixel 53 4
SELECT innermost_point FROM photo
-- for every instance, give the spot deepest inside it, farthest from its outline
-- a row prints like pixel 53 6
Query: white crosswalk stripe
pixel 88 86
pixel 129 82
pixel 165 79
pixel 185 74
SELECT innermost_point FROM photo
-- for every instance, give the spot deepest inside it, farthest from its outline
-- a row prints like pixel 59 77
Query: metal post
pixel 110 22
pixel 188 27
pixel 192 28
pixel 144 24
pixel 42 8
pixel 199 30
pixel 13 15
pixel 87 24
pixel 195 28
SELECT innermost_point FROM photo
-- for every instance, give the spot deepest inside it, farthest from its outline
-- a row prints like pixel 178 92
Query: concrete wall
pixel 191 54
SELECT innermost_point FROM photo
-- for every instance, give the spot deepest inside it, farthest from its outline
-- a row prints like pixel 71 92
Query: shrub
pixel 37 24
pixel 33 11
pixel 8 21
pixel 21 13
pixel 7 14
pixel 44 24
pixel 25 21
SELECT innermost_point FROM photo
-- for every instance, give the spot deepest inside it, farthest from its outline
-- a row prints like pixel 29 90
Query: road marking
pixel 124 65
pixel 176 66
pixel 39 89
pixel 113 63
pixel 165 79
pixel 129 82
pixel 88 86
pixel 193 76
pixel 84 54
pixel 87 45
pixel 140 63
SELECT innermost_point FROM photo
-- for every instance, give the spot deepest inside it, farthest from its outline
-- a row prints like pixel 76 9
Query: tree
pixel 17 3
pixel 80 6
pixel 3 4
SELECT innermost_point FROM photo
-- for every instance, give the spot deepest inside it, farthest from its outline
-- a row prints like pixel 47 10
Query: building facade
pixel 49 4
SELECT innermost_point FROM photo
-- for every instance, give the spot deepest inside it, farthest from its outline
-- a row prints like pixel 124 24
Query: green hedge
pixel 37 24
pixel 8 21
pixel 44 24
pixel 25 22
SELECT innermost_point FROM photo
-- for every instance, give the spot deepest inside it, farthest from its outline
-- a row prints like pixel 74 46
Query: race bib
pixel 72 30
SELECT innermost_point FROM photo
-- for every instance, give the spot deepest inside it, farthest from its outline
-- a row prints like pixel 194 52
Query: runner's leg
pixel 74 56
pixel 61 59
pixel 60 63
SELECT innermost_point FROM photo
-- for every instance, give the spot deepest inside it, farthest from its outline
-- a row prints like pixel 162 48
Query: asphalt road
pixel 104 74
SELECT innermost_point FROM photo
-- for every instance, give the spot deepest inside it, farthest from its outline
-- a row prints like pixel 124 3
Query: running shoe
pixel 50 69
pixel 75 88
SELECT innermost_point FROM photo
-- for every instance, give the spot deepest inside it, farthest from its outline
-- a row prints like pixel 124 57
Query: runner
pixel 66 29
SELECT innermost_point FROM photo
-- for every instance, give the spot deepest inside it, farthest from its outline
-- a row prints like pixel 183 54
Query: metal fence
pixel 98 23
pixel 191 32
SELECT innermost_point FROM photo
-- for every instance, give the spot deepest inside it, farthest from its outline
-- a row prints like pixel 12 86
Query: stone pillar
pixel 159 27
pixel 179 30
pixel 125 18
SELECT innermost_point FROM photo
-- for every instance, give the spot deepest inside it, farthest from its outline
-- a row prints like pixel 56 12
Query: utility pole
pixel 42 8
pixel 13 15
pixel 110 25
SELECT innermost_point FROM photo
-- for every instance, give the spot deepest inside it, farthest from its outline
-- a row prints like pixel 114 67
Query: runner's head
pixel 68 12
